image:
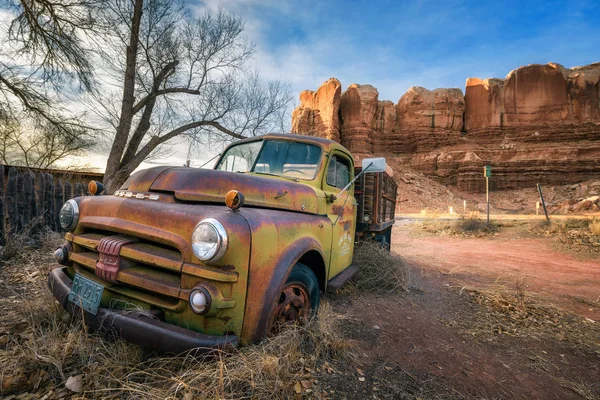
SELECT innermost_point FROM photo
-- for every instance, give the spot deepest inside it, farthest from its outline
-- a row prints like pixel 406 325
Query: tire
pixel 301 287
pixel 383 238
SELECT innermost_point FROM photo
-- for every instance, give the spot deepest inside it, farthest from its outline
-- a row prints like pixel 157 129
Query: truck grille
pixel 149 272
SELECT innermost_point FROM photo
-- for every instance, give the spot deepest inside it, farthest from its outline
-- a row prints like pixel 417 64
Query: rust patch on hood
pixel 206 185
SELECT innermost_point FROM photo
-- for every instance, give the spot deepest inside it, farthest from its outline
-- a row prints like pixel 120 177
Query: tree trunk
pixel 116 153
pixel 116 180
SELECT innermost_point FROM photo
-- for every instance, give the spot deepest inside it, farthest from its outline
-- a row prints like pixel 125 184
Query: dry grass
pixel 437 226
pixel 430 213
pixel 595 227
pixel 475 226
pixel 280 367
pixel 509 310
pixel 379 271
pixel 45 348
pixel 469 227
pixel 558 226
pixel 580 236
pixel 585 391
pixel 31 237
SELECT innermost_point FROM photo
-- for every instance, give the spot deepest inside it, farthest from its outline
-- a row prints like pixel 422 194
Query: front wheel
pixel 298 300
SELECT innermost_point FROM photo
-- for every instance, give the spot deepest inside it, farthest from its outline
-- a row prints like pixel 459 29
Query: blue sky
pixel 396 44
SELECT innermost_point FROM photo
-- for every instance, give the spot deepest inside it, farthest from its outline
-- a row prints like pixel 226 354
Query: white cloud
pixel 429 44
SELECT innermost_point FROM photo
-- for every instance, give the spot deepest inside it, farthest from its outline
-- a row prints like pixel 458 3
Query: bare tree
pixel 38 146
pixel 182 77
pixel 51 34
pixel 44 54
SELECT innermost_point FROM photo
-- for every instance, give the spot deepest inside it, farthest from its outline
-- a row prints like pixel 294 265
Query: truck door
pixel 341 212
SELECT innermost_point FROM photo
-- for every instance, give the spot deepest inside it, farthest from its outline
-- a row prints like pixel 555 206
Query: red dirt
pixel 561 278
pixel 420 337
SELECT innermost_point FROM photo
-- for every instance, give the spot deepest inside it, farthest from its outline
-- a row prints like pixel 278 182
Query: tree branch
pixel 158 140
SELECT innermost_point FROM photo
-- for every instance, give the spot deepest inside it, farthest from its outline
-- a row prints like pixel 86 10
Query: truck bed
pixel 376 197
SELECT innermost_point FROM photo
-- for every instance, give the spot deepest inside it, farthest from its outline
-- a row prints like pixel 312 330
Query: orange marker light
pixel 234 199
pixel 95 187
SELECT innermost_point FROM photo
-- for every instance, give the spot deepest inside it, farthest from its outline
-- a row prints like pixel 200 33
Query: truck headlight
pixel 69 215
pixel 209 240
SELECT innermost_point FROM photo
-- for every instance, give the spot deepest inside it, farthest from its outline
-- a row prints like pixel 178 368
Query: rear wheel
pixel 384 238
pixel 298 300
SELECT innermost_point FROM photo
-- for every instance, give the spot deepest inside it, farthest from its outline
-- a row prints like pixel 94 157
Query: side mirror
pixel 373 164
pixel 368 165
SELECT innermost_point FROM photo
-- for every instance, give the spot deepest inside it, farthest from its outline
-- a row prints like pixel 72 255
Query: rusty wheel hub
pixel 293 306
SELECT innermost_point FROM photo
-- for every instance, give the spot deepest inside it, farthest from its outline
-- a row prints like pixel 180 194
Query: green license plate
pixel 86 294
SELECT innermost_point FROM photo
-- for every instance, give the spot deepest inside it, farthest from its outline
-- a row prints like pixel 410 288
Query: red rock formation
pixel 483 103
pixel 536 95
pixel 358 108
pixel 440 108
pixel 317 114
pixel 540 124
pixel 385 117
pixel 584 91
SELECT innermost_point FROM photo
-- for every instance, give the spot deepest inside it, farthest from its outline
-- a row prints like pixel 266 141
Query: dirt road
pixel 435 342
pixel 561 278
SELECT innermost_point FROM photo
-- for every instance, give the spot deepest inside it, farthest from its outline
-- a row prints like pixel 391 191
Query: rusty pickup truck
pixel 185 258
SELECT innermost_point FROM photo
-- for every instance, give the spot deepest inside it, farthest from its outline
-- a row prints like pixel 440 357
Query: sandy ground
pixel 561 278
pixel 426 339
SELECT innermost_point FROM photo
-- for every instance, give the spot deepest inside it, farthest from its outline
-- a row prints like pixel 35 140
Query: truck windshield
pixel 273 157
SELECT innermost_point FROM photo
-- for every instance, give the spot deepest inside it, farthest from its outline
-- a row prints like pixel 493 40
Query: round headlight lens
pixel 209 240
pixel 69 215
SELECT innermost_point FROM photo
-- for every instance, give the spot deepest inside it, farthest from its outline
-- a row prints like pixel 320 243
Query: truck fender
pixel 264 293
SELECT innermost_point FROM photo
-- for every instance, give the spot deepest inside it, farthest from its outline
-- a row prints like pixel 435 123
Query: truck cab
pixel 185 258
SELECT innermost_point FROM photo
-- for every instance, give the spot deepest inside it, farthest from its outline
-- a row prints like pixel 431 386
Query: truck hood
pixel 211 186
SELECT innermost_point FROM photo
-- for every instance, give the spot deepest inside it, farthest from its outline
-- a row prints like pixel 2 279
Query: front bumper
pixel 139 329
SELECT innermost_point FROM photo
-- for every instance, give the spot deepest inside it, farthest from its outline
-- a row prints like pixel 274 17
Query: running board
pixel 340 279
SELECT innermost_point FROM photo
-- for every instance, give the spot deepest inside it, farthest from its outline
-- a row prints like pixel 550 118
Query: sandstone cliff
pixel 317 114
pixel 541 123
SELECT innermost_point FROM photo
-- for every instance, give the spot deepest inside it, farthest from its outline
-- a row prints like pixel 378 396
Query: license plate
pixel 86 294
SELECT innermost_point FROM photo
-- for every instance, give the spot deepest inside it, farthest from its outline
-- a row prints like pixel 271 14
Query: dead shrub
pixel 465 226
pixel 379 271
pixel 475 226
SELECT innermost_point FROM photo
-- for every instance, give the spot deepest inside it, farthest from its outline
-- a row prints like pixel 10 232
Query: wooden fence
pixel 31 201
